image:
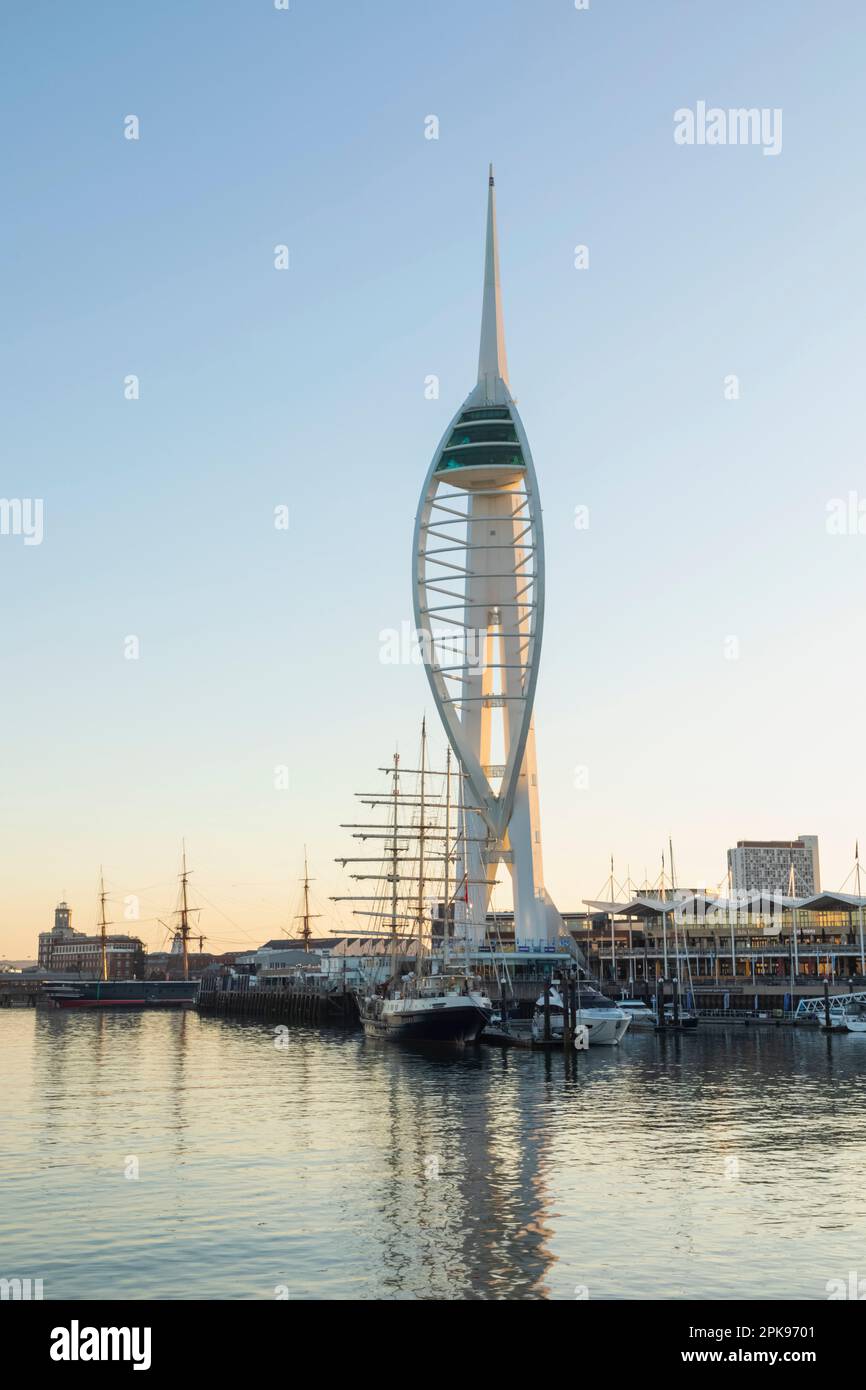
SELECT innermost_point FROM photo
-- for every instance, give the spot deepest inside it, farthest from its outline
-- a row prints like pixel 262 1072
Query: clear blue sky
pixel 306 387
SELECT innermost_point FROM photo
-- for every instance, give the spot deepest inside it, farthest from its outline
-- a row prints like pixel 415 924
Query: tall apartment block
pixel 764 866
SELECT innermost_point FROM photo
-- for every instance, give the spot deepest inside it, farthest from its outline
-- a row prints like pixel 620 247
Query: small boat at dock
pixel 606 1022
pixel 854 1018
pixel 639 1012
pixel 678 1020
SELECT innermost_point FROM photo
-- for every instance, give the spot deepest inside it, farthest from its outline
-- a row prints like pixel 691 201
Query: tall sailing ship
pixel 424 993
pixel 106 993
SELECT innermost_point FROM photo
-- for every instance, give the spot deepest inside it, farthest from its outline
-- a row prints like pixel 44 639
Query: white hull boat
pixel 641 1014
pixel 606 1024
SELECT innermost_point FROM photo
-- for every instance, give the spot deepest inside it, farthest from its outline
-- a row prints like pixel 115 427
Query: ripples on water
pixel 729 1164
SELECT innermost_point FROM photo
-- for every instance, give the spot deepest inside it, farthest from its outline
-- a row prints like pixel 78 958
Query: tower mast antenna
pixel 492 357
pixel 481 645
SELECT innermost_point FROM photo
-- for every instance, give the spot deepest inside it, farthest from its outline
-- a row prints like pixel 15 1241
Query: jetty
pixel 19 991
pixel 307 1000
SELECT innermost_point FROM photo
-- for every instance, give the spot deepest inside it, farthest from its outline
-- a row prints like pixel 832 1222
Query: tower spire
pixel 492 359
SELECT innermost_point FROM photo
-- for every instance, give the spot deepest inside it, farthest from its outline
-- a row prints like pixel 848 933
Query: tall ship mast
pixel 421 994
pixel 306 916
pixel 184 916
pixel 107 993
pixel 103 924
pixel 184 912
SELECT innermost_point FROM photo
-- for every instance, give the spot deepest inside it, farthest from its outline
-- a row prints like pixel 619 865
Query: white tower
pixel 478 578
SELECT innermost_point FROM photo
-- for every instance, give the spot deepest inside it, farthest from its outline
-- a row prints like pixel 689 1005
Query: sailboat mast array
pixel 125 992
pixel 395 856
pixel 414 874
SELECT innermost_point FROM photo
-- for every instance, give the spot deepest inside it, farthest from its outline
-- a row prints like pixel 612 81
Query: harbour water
pixel 168 1155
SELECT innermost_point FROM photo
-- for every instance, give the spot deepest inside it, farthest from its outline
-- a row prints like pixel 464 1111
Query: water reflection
pixel 722 1164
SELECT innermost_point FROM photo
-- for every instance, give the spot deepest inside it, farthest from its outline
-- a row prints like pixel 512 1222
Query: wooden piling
pixel 660 1004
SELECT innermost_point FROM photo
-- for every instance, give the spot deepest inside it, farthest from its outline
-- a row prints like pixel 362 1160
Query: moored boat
pixel 107 993
pixel 607 1024
pixel 641 1014
pixel 120 994
pixel 425 995
pixel 432 1009
pixel 679 1019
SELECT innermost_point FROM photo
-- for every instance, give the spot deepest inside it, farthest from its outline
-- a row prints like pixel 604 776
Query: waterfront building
pixel 280 968
pixel 765 866
pixel 766 944
pixel 61 931
pixel 168 965
pixel 62 918
pixel 478 593
pixel 276 953
pixel 518 970
pixel 64 949
pixel 83 955
pixel 279 957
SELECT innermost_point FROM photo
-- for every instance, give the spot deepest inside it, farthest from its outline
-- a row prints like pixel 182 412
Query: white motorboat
pixel 606 1023
pixel 641 1014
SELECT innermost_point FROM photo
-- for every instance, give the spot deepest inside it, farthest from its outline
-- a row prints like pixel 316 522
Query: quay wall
pixel 316 1003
